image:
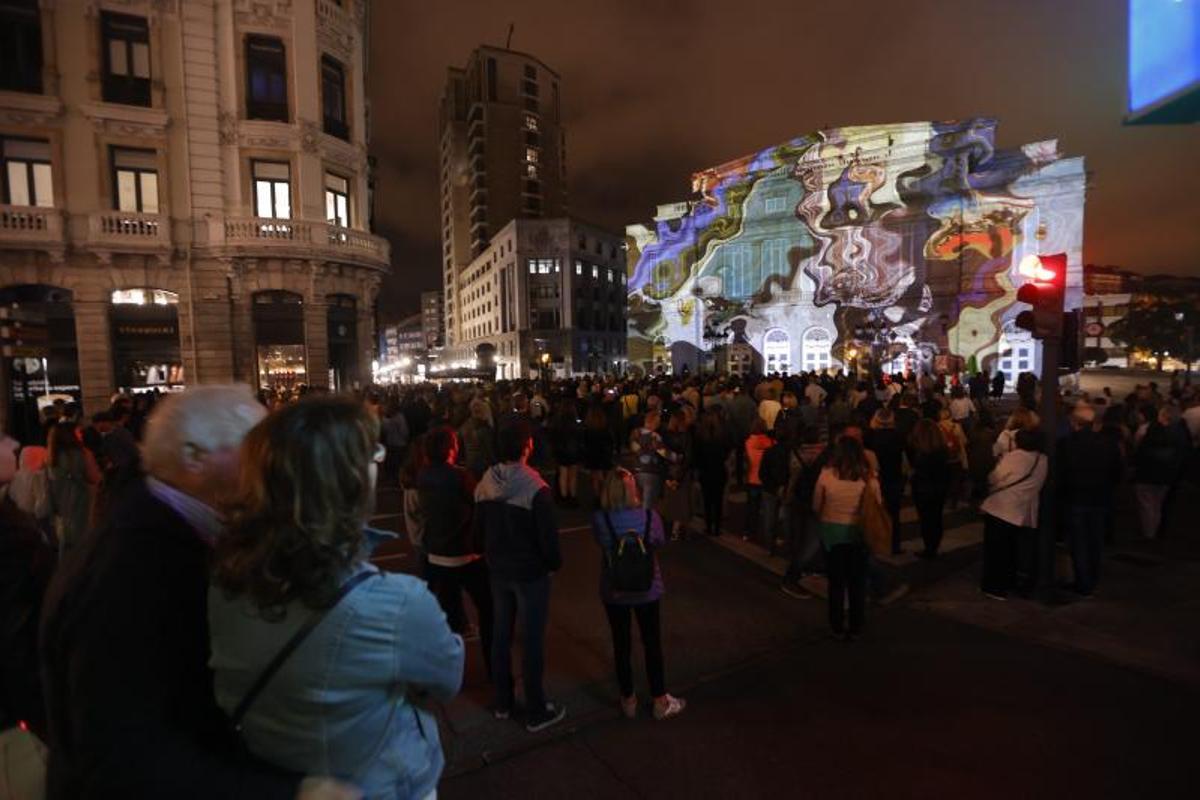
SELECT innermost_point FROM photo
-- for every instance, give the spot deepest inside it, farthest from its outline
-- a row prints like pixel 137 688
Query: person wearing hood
pixel 515 514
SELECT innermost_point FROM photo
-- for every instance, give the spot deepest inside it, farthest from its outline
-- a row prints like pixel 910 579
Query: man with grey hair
pixel 129 694
pixel 1090 469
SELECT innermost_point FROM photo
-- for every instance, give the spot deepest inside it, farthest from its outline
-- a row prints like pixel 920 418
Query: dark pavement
pixel 924 705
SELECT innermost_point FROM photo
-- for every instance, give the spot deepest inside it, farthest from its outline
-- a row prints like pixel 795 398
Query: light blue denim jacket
pixel 341 704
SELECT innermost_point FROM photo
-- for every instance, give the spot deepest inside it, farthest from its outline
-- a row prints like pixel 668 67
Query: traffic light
pixel 1044 290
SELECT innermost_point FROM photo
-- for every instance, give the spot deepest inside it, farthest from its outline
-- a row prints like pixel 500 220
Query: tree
pixel 1159 327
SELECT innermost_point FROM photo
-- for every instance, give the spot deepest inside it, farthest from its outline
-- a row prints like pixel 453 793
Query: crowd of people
pixel 211 623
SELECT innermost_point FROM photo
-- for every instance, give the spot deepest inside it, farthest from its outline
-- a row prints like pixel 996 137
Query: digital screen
pixel 897 242
pixel 1164 51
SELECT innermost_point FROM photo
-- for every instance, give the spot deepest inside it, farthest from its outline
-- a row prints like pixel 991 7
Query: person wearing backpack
pixel 631 585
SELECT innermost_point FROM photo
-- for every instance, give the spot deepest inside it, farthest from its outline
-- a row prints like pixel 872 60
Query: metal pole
pixel 1051 347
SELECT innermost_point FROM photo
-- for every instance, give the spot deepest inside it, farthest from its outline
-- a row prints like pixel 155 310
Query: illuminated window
pixel 531 171
pixel 337 200
pixel 135 180
pixel 774 205
pixel 272 189
pixel 26 177
pixel 531 155
pixel 531 122
pixel 578 267
pixel 595 271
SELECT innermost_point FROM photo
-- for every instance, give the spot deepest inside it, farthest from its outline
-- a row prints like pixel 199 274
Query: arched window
pixel 777 351
pixel 817 349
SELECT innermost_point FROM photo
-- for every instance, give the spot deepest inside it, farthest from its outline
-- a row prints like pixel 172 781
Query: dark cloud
pixel 656 89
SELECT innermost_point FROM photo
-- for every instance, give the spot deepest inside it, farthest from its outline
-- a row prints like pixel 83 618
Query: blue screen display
pixel 1164 49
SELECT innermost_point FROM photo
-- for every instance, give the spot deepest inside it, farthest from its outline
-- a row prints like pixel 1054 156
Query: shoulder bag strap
pixel 264 677
pixel 1022 479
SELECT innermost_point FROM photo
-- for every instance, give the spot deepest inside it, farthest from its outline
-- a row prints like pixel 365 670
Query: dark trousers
pixel 531 601
pixel 739 460
pixel 847 568
pixel 1001 550
pixel 803 542
pixel 930 508
pixel 753 508
pixel 893 491
pixel 619 620
pixel 448 585
pixel 1088 526
pixel 712 489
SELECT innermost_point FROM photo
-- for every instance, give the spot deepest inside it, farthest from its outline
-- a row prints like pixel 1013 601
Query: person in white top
pixel 1011 511
pixel 962 408
pixel 814 393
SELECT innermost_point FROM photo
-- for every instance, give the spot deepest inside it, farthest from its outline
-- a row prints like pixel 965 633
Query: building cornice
pixel 115 118
pixel 21 108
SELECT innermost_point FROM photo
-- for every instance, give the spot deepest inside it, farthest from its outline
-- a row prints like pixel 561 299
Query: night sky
pixel 654 90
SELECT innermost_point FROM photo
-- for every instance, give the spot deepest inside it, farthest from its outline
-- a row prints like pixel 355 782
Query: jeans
pixel 531 601
pixel 753 509
pixel 650 485
pixel 712 489
pixel 649 626
pixel 930 508
pixel 1001 548
pixel 448 584
pixel 770 519
pixel 847 567
pixel 1150 497
pixel 803 542
pixel 1087 544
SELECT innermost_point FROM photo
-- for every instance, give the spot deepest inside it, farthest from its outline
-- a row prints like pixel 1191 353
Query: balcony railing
pixel 313 239
pixel 332 13
pixel 112 232
pixel 32 227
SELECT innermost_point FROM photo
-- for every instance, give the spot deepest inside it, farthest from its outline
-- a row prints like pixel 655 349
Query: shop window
pixel 126 41
pixel 135 180
pixel 26 178
pixel 266 79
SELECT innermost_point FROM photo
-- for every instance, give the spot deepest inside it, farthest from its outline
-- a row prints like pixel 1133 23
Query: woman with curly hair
pixel 295 558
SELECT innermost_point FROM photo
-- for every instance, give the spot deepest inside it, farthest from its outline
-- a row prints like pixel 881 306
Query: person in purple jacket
pixel 621 511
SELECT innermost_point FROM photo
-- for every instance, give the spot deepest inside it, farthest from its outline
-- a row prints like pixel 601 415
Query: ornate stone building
pixel 184 195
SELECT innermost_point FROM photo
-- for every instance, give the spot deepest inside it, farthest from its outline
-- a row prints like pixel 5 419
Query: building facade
pixel 433 321
pixel 185 193
pixel 502 157
pixel 896 244
pixel 545 294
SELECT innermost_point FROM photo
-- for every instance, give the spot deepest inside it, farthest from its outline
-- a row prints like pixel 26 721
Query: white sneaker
pixel 667 706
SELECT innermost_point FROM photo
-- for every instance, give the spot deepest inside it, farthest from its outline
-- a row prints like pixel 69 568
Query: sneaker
pixel 629 706
pixel 501 713
pixel 667 706
pixel 995 595
pixel 552 715
pixel 795 590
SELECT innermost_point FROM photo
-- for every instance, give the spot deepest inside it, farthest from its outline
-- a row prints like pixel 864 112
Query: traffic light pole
pixel 1047 514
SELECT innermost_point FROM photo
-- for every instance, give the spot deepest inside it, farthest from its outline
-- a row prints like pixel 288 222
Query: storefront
pixel 279 340
pixel 45 364
pixel 342 327
pixel 145 340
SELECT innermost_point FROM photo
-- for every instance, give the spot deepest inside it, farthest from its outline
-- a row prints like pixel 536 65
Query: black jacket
pixel 888 446
pixel 26 562
pixel 514 514
pixel 1089 469
pixel 447 494
pixel 129 695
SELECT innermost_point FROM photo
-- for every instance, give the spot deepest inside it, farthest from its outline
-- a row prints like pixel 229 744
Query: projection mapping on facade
pixel 899 242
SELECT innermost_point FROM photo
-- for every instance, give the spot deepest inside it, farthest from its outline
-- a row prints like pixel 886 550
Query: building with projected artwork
pixel 892 242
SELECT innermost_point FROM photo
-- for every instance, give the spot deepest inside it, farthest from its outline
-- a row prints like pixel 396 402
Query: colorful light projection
pixel 907 232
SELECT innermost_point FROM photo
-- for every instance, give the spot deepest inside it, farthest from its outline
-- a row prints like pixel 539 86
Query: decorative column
pixel 93 337
pixel 316 329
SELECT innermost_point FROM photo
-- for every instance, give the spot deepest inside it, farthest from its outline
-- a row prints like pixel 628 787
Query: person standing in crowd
pixel 774 472
pixel 885 442
pixel 567 443
pixel 296 554
pixel 956 457
pixel 29 488
pixel 740 418
pixel 410 502
pixel 837 501
pixel 515 511
pixel 962 409
pixel 1089 470
pixel 621 514
pixel 394 433
pixel 980 457
pixel 129 694
pixel 651 457
pixel 1021 419
pixel 1011 512
pixel 478 439
pixel 809 457
pixel 927 454
pixel 598 446
pixel 1156 465
pixel 998 381
pixel 769 406
pixel 756 446
pixel 454 561
pixel 712 455
pixel 677 498
pixel 73 478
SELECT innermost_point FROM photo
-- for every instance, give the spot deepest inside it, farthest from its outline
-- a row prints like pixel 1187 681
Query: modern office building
pixel 546 295
pixel 894 244
pixel 184 194
pixel 502 157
